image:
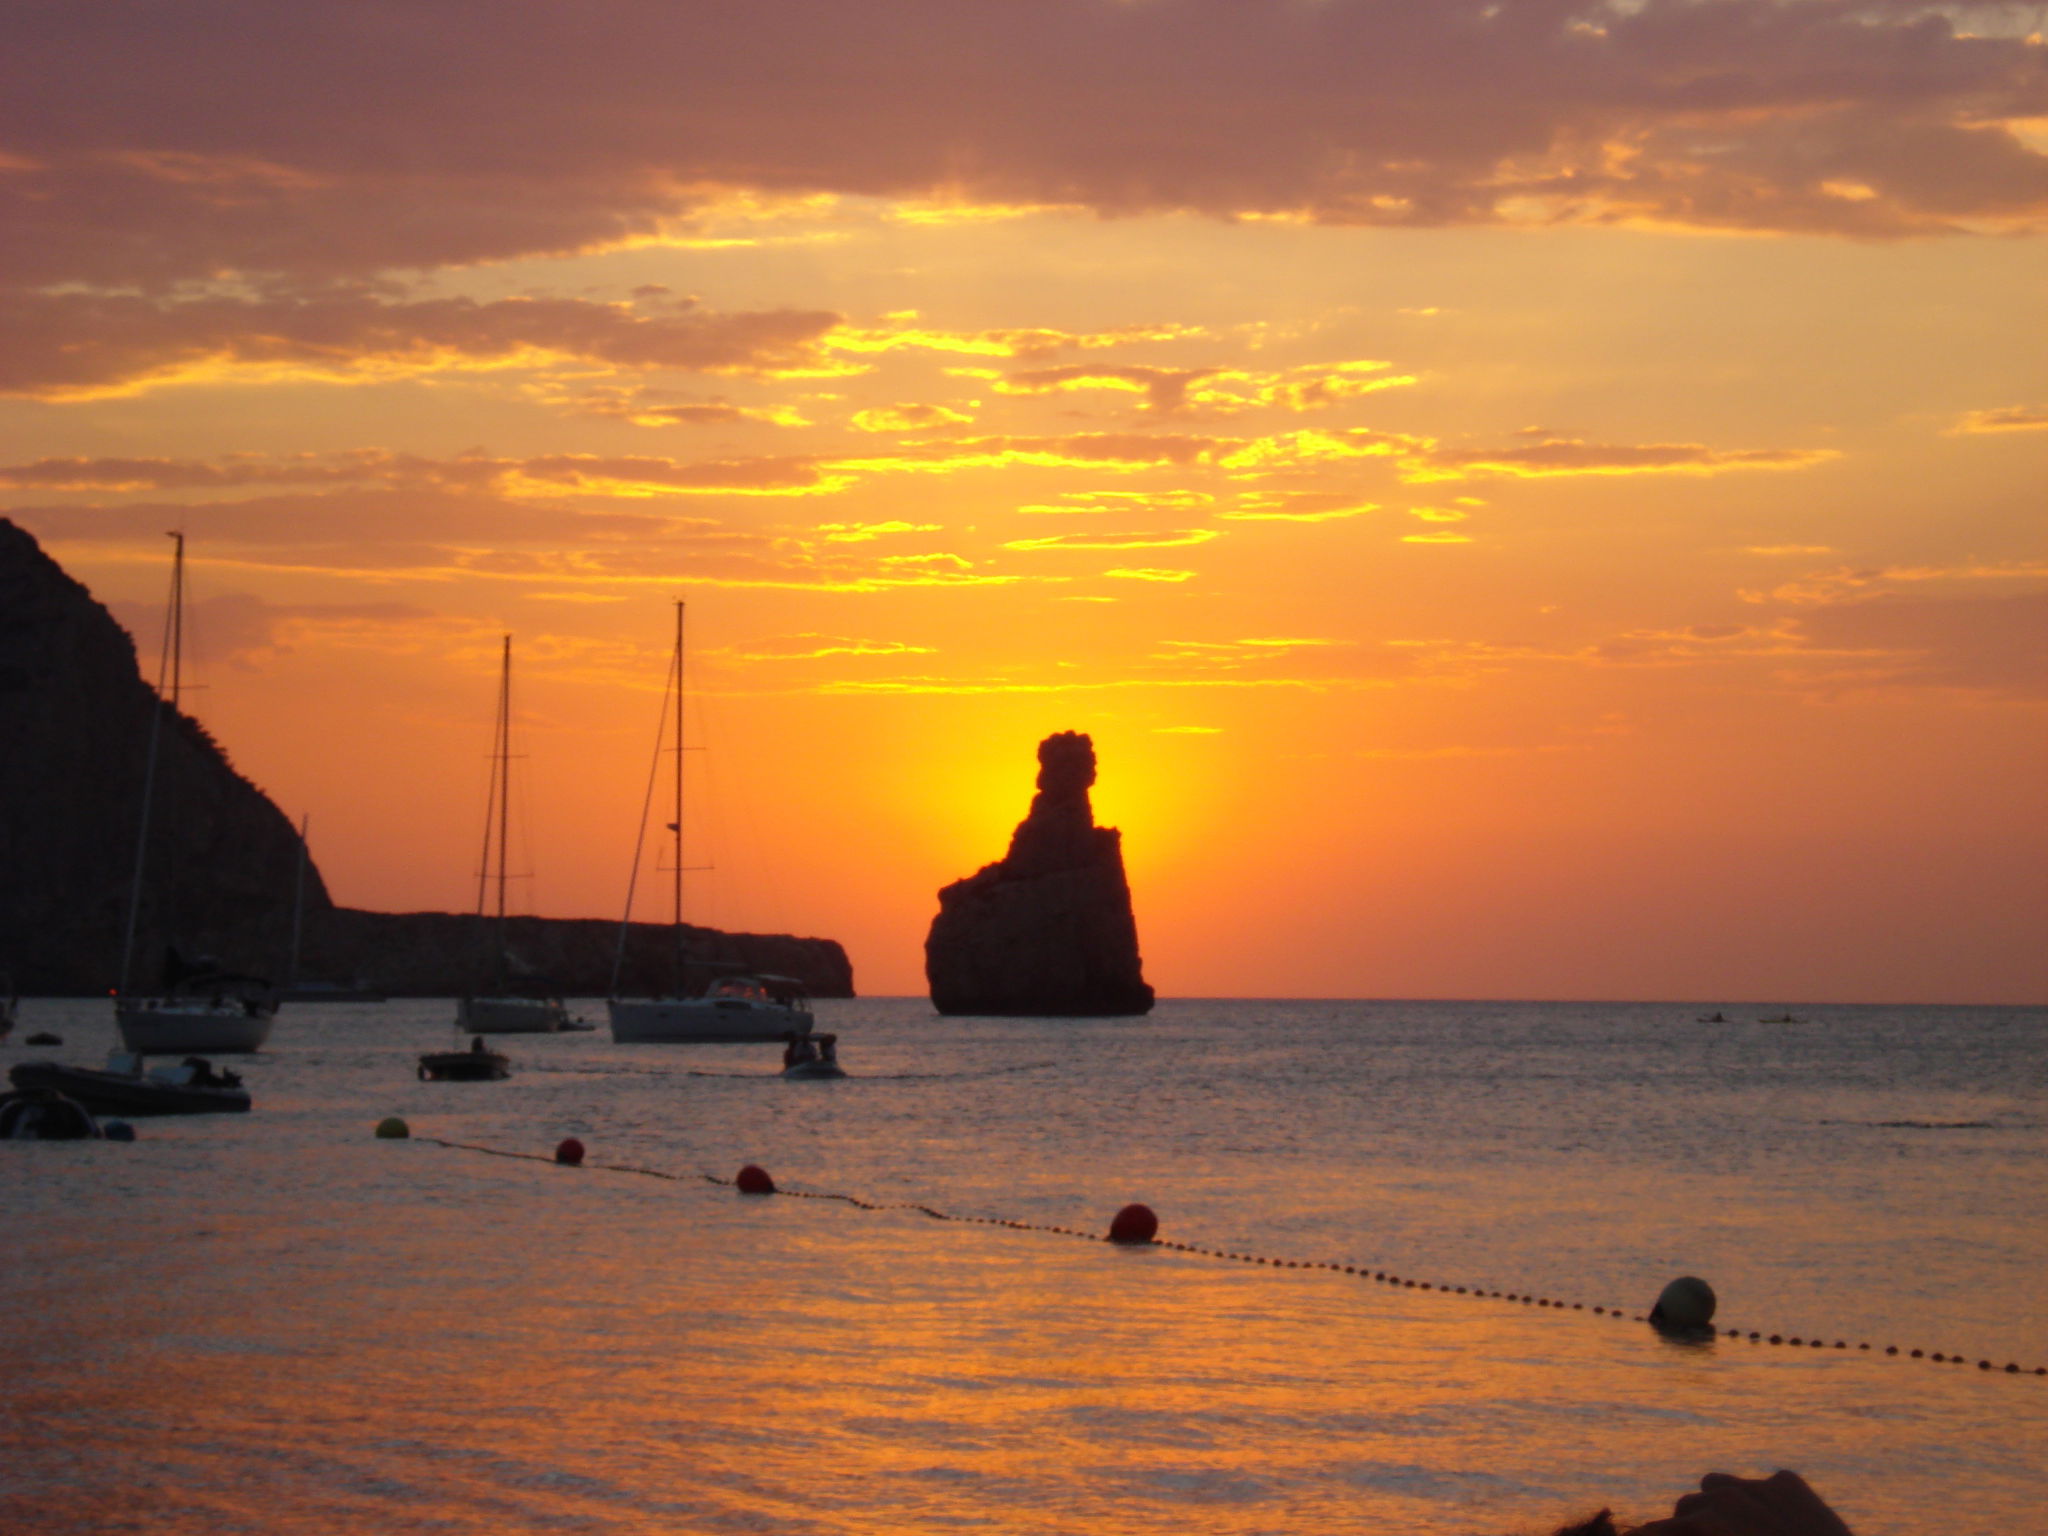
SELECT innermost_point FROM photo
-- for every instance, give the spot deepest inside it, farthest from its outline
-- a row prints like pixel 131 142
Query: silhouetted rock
pixel 223 861
pixel 1047 930
pixel 438 954
pixel 74 745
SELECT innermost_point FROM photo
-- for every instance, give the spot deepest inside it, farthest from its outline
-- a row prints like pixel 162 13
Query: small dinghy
pixel 811 1056
pixel 44 1114
pixel 189 1087
pixel 478 1064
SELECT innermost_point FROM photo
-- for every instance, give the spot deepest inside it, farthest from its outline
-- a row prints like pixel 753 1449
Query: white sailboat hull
pixel 705 1020
pixel 510 1015
pixel 178 1026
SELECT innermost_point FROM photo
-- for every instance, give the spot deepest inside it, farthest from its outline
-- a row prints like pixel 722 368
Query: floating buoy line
pixel 1137 1226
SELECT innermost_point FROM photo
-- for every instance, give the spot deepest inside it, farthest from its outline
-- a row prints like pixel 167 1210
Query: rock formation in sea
pixel 224 861
pixel 1047 930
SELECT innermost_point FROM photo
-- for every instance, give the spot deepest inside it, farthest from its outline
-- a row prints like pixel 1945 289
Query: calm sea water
pixel 274 1323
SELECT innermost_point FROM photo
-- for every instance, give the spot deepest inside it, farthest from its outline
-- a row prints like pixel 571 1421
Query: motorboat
pixel 511 1015
pixel 478 1064
pixel 733 1008
pixel 192 1086
pixel 812 1056
pixel 506 1003
pixel 1712 1018
pixel 43 1114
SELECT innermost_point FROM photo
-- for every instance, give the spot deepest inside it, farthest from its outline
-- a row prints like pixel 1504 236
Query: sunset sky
pixel 1530 499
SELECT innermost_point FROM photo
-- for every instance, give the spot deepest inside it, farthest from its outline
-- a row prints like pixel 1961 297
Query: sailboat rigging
pixel 495 1008
pixel 735 1007
pixel 199 1006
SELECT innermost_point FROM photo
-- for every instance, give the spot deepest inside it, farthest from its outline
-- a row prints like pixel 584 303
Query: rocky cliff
pixel 223 860
pixel 1047 930
pixel 436 954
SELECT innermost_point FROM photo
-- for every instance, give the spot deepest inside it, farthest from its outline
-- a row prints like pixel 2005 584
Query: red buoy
pixel 1133 1224
pixel 570 1152
pixel 754 1181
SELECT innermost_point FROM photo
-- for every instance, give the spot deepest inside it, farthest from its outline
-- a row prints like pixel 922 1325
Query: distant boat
pixel 734 1008
pixel 189 1087
pixel 199 1005
pixel 1712 1018
pixel 504 1004
pixel 296 990
pixel 332 992
pixel 1783 1018
pixel 478 1064
pixel 10 1004
pixel 815 1055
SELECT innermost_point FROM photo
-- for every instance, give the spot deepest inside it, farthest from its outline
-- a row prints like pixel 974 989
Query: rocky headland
pixel 1047 930
pixel 224 863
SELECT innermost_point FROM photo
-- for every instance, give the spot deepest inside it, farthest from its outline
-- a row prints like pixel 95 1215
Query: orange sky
pixel 1530 499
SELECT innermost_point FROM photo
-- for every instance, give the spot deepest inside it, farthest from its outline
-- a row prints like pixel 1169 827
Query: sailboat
pixel 198 1006
pixel 298 989
pixel 734 1008
pixel 496 1009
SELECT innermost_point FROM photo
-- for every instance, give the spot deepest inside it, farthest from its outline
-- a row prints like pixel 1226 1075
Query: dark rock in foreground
pixel 1047 931
pixel 224 861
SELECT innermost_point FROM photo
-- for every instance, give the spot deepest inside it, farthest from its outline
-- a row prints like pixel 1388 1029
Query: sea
pixel 1403 1257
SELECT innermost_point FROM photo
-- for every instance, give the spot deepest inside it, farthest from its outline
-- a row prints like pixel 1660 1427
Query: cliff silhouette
pixel 1047 930
pixel 224 861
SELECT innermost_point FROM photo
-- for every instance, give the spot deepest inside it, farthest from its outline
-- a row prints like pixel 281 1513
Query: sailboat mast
pixel 504 790
pixel 177 619
pixel 173 623
pixel 291 970
pixel 677 924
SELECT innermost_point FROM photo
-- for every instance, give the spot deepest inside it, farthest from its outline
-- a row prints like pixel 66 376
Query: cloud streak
pixel 323 142
pixel 73 345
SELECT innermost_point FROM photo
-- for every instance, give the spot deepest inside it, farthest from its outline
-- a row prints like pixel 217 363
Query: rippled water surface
pixel 276 1323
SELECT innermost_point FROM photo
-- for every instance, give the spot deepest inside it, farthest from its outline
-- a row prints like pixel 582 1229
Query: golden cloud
pixel 2005 418
pixel 812 647
pixel 1094 502
pixel 1013 342
pixel 857 533
pixel 909 418
pixel 1165 540
pixel 1553 457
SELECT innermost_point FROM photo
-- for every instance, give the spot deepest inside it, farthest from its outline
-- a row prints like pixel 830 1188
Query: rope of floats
pixel 1688 1303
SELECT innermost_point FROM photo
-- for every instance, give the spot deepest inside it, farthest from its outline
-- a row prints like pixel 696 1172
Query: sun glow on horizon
pixel 1459 550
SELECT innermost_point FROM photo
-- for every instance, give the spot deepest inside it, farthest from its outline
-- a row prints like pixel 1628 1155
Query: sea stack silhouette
pixel 1046 931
